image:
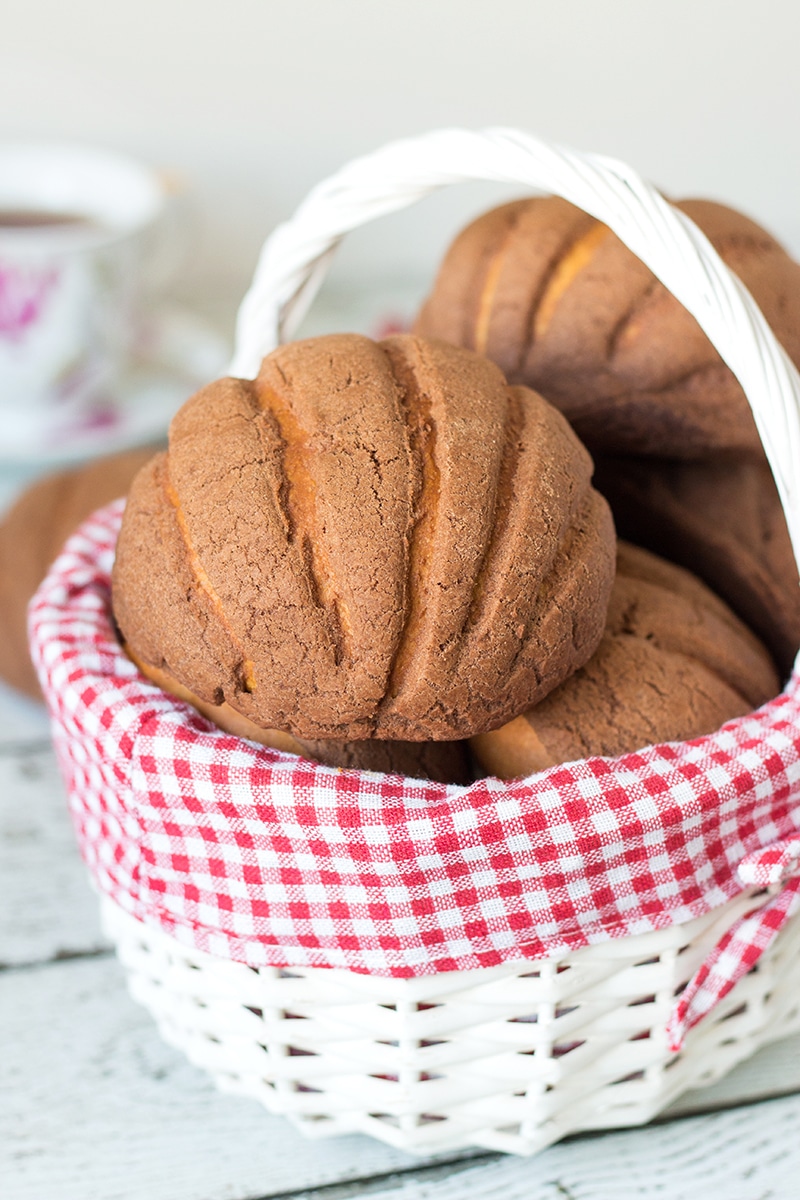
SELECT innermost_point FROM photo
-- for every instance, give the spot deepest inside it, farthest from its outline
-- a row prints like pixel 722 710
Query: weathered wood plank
pixel 750 1153
pixel 47 909
pixel 98 1107
pixel 22 721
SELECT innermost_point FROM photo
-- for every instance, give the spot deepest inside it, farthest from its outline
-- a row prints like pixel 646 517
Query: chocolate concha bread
pixel 674 663
pixel 444 762
pixel 31 535
pixel 561 304
pixel 369 540
pixel 722 520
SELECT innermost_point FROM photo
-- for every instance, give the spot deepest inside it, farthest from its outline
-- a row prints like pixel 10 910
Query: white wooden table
pixel 93 1106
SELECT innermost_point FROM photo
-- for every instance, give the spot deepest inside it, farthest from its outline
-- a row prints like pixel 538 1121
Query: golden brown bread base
pixel 369 540
pixel 443 762
pixel 674 663
pixel 31 536
pixel 561 305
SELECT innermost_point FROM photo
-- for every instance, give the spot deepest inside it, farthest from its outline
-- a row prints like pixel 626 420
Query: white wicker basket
pixel 511 1057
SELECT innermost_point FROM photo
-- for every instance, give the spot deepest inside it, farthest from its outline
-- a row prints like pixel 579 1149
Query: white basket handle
pixel 295 258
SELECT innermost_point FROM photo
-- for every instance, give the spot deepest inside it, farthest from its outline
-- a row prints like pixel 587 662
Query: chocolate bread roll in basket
pixel 495 965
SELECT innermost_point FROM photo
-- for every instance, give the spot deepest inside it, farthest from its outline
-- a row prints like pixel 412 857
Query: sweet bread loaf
pixel 674 663
pixel 369 540
pixel 31 535
pixel 561 304
pixel 722 520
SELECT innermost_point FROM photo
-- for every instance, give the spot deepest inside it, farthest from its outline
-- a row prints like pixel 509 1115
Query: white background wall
pixel 252 101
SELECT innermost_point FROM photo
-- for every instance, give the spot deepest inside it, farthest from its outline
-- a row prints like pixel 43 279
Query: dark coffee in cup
pixel 20 218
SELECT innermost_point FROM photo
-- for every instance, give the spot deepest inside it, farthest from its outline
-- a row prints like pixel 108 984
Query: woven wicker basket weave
pixel 516 1056
pixel 509 1058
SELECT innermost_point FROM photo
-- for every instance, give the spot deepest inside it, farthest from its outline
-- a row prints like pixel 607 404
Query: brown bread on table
pixel 557 300
pixel 31 536
pixel 674 663
pixel 369 540
pixel 723 521
pixel 444 762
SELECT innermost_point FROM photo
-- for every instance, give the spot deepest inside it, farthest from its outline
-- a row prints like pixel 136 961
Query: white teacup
pixel 75 224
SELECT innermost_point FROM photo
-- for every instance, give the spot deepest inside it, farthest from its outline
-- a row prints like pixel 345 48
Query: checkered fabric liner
pixel 262 857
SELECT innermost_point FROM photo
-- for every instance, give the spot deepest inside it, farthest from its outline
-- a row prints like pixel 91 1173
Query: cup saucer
pixel 178 352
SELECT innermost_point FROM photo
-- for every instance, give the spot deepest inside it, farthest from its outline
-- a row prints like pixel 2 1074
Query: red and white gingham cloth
pixel 262 857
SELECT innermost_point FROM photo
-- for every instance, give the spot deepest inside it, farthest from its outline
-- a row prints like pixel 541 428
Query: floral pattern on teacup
pixel 23 295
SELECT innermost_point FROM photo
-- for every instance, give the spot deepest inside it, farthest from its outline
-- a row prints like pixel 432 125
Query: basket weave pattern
pixel 439 966
pixel 509 1058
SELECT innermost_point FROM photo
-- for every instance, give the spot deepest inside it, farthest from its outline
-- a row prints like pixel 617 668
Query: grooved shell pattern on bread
pixel 369 540
pixel 562 305
pixel 674 663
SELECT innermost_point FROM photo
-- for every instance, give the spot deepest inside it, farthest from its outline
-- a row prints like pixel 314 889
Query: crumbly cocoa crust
pixel 674 663
pixel 722 520
pixel 31 535
pixel 370 540
pixel 557 300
